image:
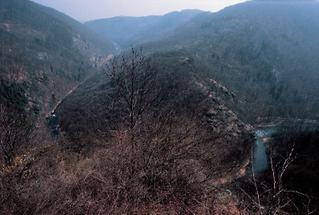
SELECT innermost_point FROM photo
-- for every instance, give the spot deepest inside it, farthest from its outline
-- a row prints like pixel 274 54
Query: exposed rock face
pixel 233 136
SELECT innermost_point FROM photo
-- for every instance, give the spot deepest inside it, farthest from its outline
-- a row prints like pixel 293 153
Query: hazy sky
pixel 84 10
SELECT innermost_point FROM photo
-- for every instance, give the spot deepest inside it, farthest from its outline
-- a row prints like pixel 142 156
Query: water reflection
pixel 261 160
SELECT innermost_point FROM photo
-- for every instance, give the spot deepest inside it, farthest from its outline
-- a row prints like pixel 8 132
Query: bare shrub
pixel 136 84
pixel 159 172
pixel 15 130
pixel 151 165
pixel 267 194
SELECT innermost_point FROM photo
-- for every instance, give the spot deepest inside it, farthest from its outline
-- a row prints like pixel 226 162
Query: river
pixel 260 157
pixel 263 135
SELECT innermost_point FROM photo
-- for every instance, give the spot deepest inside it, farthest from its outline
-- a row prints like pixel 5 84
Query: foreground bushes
pixel 53 182
pixel 160 152
pixel 162 167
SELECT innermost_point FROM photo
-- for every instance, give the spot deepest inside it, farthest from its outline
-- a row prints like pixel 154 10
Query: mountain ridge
pixel 129 31
pixel 258 42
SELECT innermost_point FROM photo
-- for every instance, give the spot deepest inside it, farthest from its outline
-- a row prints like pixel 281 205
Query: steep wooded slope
pixel 45 52
pixel 265 52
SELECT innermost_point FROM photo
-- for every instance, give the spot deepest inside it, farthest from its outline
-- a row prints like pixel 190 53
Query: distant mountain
pixel 259 58
pixel 130 31
pixel 45 52
pixel 265 52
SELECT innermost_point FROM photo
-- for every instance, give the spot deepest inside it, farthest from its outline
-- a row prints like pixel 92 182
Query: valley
pixel 190 112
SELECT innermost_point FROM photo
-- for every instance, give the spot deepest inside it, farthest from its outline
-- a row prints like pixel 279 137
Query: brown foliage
pixel 159 158
pixel 15 130
pixel 135 83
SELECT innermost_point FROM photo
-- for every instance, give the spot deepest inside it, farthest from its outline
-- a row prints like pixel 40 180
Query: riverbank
pixel 289 180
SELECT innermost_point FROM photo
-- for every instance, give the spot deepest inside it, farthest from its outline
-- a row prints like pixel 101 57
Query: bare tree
pixel 11 67
pixel 272 197
pixel 135 82
pixel 15 131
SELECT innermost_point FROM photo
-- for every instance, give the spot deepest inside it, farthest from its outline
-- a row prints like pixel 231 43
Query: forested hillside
pixel 265 52
pixel 175 114
pixel 44 54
